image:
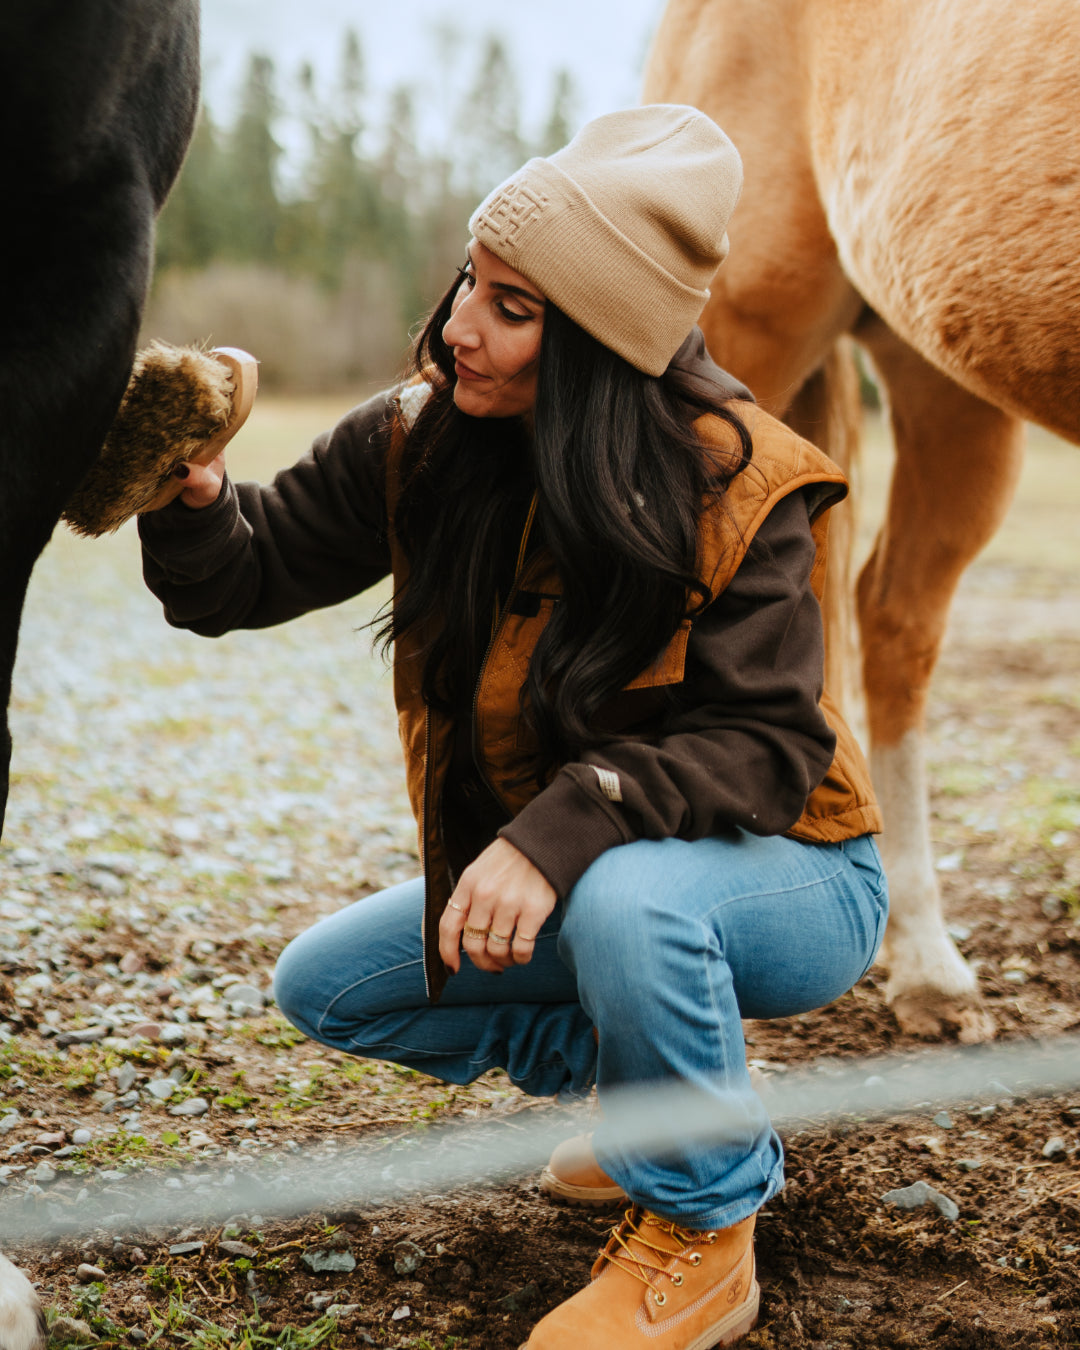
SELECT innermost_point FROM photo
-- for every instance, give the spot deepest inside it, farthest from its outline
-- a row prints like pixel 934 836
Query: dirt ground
pixel 838 1266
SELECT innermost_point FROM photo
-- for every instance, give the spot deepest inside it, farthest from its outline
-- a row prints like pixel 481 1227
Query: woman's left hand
pixel 495 913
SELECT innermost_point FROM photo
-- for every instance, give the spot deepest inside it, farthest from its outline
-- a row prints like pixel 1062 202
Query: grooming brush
pixel 182 406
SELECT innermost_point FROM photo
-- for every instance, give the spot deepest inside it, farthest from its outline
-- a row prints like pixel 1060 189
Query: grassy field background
pixel 1040 531
pixel 180 808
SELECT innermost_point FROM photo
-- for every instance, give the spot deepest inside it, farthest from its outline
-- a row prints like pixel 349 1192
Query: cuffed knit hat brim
pixel 624 228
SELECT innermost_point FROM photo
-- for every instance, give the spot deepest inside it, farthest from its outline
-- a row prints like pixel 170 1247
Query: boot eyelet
pixel 695 1259
pixel 710 1238
pixel 661 1299
pixel 676 1280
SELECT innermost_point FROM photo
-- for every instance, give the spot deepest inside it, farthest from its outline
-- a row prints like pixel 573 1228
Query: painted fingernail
pixel 181 471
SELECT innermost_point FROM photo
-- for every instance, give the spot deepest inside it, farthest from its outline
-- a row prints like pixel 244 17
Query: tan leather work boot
pixel 574 1175
pixel 657 1286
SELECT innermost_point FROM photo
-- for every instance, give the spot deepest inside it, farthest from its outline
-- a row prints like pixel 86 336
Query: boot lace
pixel 639 1260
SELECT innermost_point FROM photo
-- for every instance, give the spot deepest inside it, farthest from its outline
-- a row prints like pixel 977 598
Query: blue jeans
pixel 662 946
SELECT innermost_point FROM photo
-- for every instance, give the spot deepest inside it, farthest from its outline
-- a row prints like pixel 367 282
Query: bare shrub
pixel 306 339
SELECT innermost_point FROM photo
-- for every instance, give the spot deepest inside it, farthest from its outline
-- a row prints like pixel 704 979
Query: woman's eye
pixel 468 277
pixel 512 314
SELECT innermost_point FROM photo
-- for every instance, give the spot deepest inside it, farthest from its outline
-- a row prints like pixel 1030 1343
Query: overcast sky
pixel 602 42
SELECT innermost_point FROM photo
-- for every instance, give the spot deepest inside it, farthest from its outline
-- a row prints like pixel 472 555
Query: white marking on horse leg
pixel 930 983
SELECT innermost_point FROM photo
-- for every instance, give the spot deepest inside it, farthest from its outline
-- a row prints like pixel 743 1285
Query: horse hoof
pixel 182 405
pixel 931 1015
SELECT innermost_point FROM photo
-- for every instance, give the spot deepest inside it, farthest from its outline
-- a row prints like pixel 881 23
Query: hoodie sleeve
pixel 744 741
pixel 261 555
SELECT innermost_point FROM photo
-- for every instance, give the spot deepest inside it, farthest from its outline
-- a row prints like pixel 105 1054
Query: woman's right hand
pixel 202 482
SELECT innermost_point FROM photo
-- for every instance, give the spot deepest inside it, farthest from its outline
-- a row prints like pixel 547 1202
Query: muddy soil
pixel 838 1266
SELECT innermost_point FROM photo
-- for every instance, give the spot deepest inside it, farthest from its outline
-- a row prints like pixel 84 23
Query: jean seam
pixel 380 1049
pixel 778 890
pixel 375 974
pixel 879 936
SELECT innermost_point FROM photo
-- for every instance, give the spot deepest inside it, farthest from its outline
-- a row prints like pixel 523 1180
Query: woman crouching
pixel 641 820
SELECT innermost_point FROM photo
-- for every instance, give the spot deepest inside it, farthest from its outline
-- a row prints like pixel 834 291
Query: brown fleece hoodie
pixel 728 729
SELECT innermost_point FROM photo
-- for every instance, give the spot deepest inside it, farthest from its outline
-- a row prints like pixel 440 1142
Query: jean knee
pixel 615 920
pixel 591 916
pixel 296 985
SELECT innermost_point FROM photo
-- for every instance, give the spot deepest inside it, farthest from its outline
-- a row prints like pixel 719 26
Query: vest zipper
pixel 496 629
pixel 424 826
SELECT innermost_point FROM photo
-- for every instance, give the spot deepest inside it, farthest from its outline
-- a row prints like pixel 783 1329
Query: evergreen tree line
pixel 321 260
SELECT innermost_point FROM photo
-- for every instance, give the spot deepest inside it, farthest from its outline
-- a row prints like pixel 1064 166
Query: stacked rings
pixel 475 932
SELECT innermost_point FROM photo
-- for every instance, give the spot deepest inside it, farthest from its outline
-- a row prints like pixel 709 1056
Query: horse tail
pixel 828 411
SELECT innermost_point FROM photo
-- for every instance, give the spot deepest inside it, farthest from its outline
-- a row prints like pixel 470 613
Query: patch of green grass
pixel 119 1147
pixel 357 1071
pixel 82 1079
pixel 187 730
pixel 88 1308
pixel 133 1151
pixel 1057 699
pixel 1047 806
pixel 44 1066
pixel 429 1110
pixel 90 921
pixel 1069 895
pixel 961 780
pixel 28 778
pixel 298 1094
pixel 234 886
pixel 185 1327
pixel 85 1066
pixel 236 1099
pixel 279 1032
pixel 158 1279
pixel 153 676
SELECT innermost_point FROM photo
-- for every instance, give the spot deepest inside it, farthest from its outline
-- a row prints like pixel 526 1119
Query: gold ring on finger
pixel 460 908
pixel 520 937
pixel 497 937
pixel 475 932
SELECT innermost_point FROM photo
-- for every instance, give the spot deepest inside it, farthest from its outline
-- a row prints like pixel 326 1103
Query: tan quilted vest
pixel 842 807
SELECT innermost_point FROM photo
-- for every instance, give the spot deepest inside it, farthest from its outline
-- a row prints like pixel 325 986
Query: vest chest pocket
pixel 632 705
pixel 671 666
pixel 502 731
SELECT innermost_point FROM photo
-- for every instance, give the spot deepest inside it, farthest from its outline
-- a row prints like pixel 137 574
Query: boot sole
pixel 742 1321
pixel 584 1197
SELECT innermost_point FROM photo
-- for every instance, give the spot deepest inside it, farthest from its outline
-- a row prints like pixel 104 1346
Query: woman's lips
pixel 464 372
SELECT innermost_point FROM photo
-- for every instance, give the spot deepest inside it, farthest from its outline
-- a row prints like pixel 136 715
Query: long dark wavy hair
pixel 621 480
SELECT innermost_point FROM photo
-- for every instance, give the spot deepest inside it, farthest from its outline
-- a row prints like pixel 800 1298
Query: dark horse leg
pixel 98 100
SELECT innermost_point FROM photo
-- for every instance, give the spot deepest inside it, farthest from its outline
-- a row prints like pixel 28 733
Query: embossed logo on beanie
pixel 512 209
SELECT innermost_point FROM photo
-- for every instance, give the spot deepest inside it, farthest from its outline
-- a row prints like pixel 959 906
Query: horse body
pixel 950 186
pixel 97 103
pixel 911 178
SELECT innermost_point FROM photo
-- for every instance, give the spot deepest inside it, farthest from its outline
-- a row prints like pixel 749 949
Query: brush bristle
pixel 176 400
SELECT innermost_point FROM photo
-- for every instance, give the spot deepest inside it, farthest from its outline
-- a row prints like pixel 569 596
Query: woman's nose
pixel 459 330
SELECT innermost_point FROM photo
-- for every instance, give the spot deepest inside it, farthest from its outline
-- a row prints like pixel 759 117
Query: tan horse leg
pixel 828 411
pixel 957 463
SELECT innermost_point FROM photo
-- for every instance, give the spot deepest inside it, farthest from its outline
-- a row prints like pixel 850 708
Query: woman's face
pixel 494 331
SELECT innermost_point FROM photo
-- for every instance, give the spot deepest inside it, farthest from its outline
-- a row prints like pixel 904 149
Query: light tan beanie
pixel 624 227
